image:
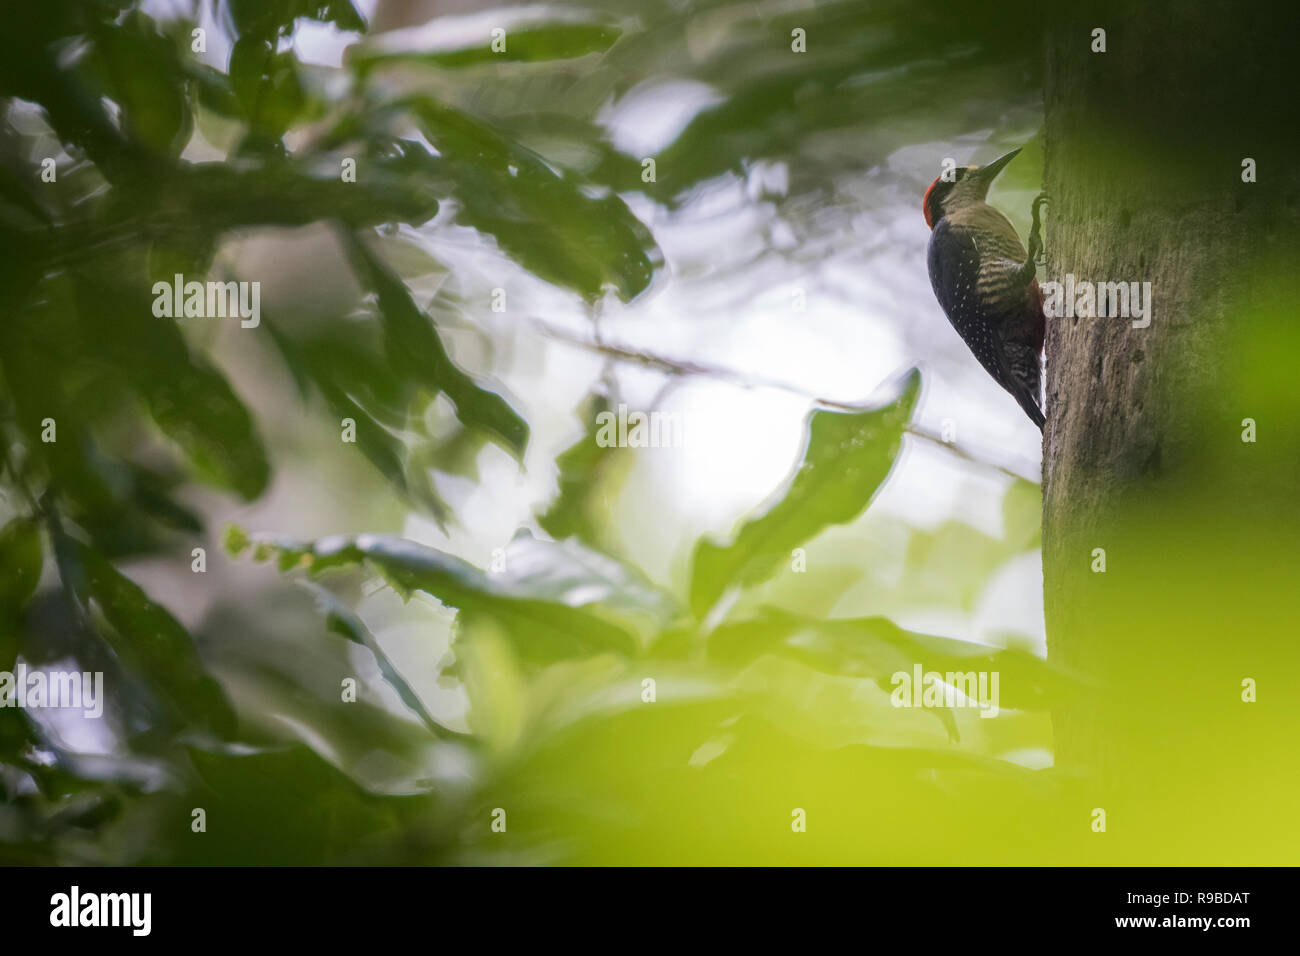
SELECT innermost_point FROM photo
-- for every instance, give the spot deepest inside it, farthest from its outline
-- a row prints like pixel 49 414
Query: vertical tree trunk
pixel 1144 454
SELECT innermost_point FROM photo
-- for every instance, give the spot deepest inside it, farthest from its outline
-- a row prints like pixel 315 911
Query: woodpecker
pixel 984 279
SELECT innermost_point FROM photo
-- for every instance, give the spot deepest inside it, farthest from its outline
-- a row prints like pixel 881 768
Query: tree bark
pixel 1144 454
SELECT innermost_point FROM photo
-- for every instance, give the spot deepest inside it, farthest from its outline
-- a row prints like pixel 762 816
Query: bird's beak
pixel 990 171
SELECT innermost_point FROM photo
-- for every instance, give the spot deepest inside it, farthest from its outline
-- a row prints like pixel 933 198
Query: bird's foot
pixel 1035 248
pixel 1035 231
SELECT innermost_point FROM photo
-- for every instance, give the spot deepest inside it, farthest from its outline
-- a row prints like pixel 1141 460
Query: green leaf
pixel 191 401
pixel 952 564
pixel 32 66
pixel 546 619
pixel 236 540
pixel 140 513
pixel 385 450
pixel 544 220
pixel 344 621
pixel 213 89
pixel 141 71
pixel 1022 514
pixel 291 807
pixel 581 467
pixel 201 413
pixel 875 64
pixel 845 460
pixel 221 197
pixel 17 190
pixel 571 572
pixel 415 350
pixel 268 18
pixel 876 648
pixel 150 642
pixel 358 381
pixel 20 566
pixel 46 334
pixel 267 85
pixel 524 44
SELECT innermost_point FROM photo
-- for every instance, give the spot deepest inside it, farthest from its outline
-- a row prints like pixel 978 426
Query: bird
pixel 985 280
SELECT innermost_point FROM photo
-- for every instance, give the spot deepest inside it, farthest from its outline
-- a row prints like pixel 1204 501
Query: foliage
pixel 553 648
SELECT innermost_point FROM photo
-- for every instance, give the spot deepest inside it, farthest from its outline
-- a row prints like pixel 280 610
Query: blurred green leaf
pixel 266 84
pixel 876 648
pixel 495 684
pixel 414 349
pixel 1022 515
pixel 953 564
pixel 74 107
pixel 20 566
pixel 138 514
pixel 845 459
pixel 898 62
pixel 216 197
pixel 543 219
pixel 188 398
pixel 524 44
pixel 141 71
pixel 581 467
pixel 546 619
pixel 268 18
pixel 18 190
pixel 201 413
pixel 150 492
pixel 356 380
pixel 213 89
pixel 344 621
pixel 146 637
pixel 278 804
pixel 42 335
pixel 576 574
pixel 406 257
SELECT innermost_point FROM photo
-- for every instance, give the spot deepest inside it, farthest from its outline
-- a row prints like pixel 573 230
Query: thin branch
pixel 682 367
pixel 685 367
pixel 966 454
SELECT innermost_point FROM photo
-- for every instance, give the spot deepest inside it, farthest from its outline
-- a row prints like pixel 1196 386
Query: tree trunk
pixel 1147 453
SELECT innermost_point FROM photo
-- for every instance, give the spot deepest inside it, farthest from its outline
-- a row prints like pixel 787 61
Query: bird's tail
pixel 1022 379
pixel 1024 389
pixel 1032 410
